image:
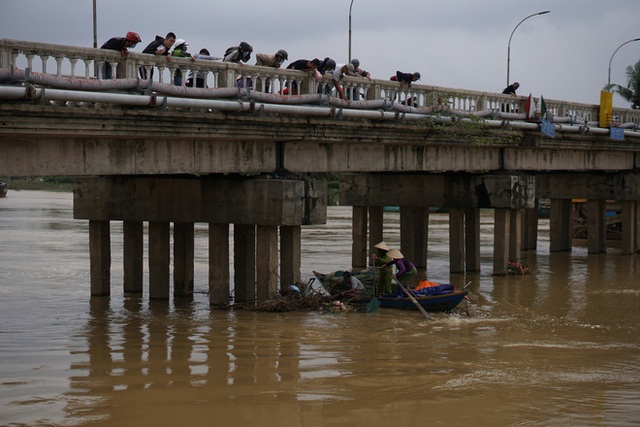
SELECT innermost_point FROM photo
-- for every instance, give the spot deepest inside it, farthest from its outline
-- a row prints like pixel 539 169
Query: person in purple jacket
pixel 405 269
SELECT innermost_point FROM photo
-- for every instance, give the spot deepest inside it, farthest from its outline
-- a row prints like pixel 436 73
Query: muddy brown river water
pixel 560 347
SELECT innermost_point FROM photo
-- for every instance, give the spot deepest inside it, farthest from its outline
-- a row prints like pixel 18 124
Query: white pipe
pixel 29 92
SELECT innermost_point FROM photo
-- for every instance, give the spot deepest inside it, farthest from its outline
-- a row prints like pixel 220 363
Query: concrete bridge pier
pixel 596 226
pixel 530 229
pixel 560 226
pixel 257 207
pixel 414 234
pixel 463 194
pixel 630 229
pixel 133 249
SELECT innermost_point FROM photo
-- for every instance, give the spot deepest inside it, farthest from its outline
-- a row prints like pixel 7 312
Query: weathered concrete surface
pixel 596 186
pixel 90 139
pixel 451 190
pixel 219 200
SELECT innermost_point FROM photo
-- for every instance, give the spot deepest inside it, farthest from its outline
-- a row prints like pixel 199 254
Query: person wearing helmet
pixel 160 47
pixel 275 60
pixel 180 51
pixel 341 71
pixel 239 53
pixel 121 44
pixel 327 64
pixel 359 71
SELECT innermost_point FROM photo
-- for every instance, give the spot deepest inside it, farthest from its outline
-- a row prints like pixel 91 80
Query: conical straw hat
pixel 382 246
pixel 395 254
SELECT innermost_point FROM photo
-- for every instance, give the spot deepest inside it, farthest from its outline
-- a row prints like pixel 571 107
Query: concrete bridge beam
pixel 256 207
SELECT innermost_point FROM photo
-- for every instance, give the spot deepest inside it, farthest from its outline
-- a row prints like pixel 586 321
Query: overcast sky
pixel 453 43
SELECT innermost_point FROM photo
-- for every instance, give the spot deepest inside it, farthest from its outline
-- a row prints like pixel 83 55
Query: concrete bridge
pixel 240 152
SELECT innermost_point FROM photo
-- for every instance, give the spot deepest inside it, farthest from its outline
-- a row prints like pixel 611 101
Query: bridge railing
pixel 89 63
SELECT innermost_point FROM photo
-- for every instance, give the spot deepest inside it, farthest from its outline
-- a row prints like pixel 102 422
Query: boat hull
pixel 443 302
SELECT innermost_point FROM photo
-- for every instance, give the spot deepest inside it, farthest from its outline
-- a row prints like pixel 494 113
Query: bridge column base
pixel 133 249
pixel 100 257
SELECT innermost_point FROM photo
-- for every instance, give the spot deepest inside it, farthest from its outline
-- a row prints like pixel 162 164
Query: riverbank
pixel 39 183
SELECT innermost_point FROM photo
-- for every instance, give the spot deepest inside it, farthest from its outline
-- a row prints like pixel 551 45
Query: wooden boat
pixel 441 302
pixel 442 298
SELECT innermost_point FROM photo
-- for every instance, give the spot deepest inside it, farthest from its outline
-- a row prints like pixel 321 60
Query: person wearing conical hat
pixel 380 260
pixel 404 268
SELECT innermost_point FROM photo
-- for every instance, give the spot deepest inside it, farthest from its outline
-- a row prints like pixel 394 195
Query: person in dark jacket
pixel 242 52
pixel 405 79
pixel 159 46
pixel 310 66
pixel 511 89
pixel 121 44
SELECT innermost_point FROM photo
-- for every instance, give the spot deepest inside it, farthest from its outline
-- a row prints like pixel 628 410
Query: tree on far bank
pixel 632 91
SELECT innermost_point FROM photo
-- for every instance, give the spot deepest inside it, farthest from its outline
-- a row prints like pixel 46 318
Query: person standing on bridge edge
pixel 121 44
pixel 159 47
pixel 511 89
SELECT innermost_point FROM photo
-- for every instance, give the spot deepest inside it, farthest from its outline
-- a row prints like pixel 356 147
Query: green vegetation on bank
pixel 43 183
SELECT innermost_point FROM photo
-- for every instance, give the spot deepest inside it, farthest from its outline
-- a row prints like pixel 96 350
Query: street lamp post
pixel 514 30
pixel 350 6
pixel 611 59
pixel 95 26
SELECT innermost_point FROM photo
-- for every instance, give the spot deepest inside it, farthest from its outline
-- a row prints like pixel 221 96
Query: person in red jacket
pixel 121 44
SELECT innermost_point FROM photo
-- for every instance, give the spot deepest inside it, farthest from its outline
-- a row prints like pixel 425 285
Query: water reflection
pixel 559 347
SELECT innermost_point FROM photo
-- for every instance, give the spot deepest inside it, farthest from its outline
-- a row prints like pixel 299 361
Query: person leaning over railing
pixel 274 61
pixel 239 53
pixel 310 66
pixel 200 77
pixel 159 46
pixel 341 71
pixel 121 44
pixel 358 72
pixel 180 51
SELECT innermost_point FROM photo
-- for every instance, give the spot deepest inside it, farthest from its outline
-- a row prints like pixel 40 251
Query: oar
pixel 412 298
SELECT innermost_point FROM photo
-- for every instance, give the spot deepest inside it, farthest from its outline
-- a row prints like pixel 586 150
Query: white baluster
pixel 73 62
pixel 59 60
pixel 44 58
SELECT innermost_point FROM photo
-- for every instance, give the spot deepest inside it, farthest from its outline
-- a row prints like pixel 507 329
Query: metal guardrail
pixel 87 63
